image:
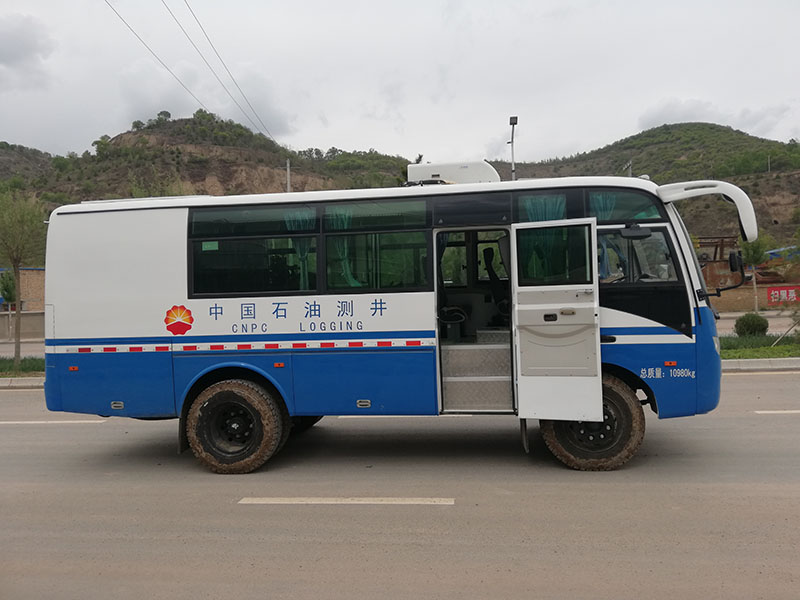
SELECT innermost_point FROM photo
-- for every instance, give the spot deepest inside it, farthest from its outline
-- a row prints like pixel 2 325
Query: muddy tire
pixel 235 426
pixel 304 423
pixel 588 446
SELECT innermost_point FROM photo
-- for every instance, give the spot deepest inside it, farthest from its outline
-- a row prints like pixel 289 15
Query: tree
pixel 22 233
pixel 137 125
pixel 164 115
pixel 753 254
pixel 102 146
pixel 8 291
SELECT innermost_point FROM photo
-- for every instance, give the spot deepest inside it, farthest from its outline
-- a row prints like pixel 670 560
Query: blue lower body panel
pixel 399 382
pixel 709 363
pixel 139 384
pixel 674 385
pixel 155 384
pixel 684 377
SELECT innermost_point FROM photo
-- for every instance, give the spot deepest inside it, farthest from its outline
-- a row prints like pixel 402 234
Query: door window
pixel 554 255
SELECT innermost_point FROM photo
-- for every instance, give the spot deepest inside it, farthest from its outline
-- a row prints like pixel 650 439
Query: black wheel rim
pixel 593 436
pixel 588 439
pixel 231 426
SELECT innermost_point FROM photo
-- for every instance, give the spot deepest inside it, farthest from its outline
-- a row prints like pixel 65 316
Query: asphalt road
pixel 105 508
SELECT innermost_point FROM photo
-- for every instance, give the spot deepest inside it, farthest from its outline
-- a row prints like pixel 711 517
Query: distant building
pixel 32 293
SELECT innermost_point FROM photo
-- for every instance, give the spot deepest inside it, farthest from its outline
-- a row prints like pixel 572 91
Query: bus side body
pixel 123 337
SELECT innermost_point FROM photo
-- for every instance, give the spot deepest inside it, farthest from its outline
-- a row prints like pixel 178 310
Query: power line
pixel 229 71
pixel 224 87
pixel 183 85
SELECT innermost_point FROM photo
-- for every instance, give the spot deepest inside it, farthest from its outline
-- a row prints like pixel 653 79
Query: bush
pixel 751 324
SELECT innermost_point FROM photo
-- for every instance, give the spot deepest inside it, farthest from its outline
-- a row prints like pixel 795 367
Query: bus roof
pixel 359 194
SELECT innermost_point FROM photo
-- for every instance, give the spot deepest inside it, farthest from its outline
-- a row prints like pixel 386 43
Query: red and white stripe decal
pixel 252 346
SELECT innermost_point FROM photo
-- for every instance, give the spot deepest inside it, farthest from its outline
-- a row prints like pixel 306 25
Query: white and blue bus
pixel 573 301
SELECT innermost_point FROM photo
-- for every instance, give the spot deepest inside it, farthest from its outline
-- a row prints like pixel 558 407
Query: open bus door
pixel 555 320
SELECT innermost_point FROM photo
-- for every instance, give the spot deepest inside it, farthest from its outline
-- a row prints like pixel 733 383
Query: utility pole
pixel 288 175
pixel 629 166
pixel 513 122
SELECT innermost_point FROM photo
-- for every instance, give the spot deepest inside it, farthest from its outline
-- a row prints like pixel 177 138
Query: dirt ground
pixel 741 299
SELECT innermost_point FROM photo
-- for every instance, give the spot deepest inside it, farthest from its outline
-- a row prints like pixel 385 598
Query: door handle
pixel 608 339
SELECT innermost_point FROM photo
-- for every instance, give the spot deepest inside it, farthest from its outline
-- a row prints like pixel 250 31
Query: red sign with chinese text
pixel 786 293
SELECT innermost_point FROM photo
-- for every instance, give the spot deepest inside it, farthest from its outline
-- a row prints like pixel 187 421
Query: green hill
pixel 678 152
pixel 768 170
pixel 199 155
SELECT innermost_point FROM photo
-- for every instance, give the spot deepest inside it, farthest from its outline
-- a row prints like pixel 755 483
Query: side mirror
pixel 735 262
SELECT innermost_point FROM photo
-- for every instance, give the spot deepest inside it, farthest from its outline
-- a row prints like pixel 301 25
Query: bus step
pixel 464 360
pixel 477 394
pixel 500 335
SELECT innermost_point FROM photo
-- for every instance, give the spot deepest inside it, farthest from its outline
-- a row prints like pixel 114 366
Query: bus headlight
pixel 716 344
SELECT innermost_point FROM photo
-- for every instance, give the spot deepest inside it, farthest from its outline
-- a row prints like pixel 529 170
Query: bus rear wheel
pixel 604 446
pixel 235 426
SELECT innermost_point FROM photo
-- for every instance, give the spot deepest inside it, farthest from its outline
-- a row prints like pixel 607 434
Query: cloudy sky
pixel 436 77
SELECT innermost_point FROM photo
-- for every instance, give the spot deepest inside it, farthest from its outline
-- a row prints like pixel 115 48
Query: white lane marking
pixel 401 416
pixel 776 372
pixel 777 412
pixel 49 422
pixel 373 501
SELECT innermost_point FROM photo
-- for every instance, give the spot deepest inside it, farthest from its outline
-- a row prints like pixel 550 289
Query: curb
pixel 21 383
pixel 741 365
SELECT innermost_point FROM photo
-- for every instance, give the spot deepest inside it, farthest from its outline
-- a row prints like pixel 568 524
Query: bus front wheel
pixel 235 426
pixel 604 446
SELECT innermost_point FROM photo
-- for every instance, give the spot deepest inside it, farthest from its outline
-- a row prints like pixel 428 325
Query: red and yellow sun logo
pixel 179 320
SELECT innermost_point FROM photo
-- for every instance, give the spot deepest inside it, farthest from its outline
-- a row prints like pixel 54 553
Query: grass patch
pixel 734 342
pixel 759 346
pixel 29 366
pixel 779 351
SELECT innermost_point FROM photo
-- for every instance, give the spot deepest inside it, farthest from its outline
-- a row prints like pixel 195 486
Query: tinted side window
pixel 621 206
pixel 376 215
pixel 254 265
pixel 472 209
pixel 541 206
pixel 647 260
pixel 642 277
pixel 236 221
pixel 453 258
pixel 555 255
pixel 392 260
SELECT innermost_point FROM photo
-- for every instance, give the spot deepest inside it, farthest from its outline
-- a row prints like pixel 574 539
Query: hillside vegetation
pixel 207 155
pixel 199 155
pixel 768 170
pixel 677 152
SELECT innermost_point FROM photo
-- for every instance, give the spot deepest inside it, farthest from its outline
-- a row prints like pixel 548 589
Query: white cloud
pixel 440 77
pixel 25 45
